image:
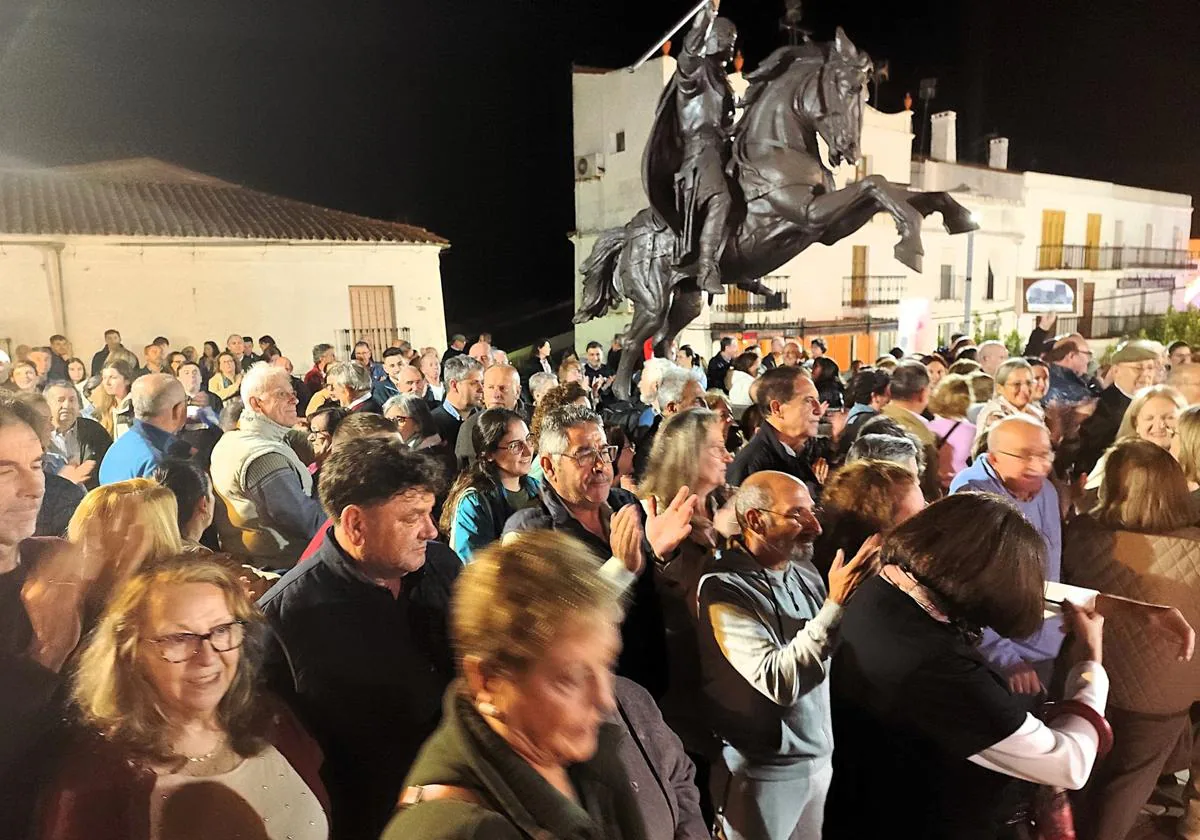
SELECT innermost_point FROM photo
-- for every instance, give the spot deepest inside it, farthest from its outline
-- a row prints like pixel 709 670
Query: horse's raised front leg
pixel 955 217
pixel 839 214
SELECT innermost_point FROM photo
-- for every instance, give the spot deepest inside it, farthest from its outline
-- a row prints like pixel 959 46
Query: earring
pixel 488 710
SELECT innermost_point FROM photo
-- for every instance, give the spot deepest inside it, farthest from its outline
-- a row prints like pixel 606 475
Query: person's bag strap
pixel 431 793
pixel 415 794
pixel 942 440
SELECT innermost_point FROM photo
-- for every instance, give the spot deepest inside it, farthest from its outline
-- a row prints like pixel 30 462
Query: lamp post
pixel 976 218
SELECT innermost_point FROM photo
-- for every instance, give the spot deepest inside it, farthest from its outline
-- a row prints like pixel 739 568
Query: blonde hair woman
pixel 1139 543
pixel 689 452
pixel 112 404
pixel 1186 447
pixel 121 525
pixel 949 403
pixel 526 746
pixel 178 740
pixel 1151 416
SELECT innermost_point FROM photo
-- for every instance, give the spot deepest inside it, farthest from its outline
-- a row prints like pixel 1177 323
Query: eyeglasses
pixel 800 517
pixel 1044 457
pixel 587 458
pixel 317 435
pixel 516 447
pixel 180 647
pixel 399 419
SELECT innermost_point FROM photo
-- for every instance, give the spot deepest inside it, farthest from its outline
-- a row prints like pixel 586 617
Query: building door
pixel 1054 223
pixel 858 278
pixel 1086 309
pixel 373 317
pixel 1093 241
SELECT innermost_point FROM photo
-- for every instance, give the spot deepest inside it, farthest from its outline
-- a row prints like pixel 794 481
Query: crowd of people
pixel 437 594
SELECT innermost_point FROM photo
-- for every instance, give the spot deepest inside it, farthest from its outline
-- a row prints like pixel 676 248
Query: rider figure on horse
pixel 683 169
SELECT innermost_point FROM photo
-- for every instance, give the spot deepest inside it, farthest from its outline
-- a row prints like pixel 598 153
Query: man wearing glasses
pixel 767 629
pixel 1069 380
pixel 578 497
pixel 1016 468
pixel 1135 365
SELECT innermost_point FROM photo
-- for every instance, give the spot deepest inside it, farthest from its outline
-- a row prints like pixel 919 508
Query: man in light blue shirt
pixel 160 412
pixel 1016 467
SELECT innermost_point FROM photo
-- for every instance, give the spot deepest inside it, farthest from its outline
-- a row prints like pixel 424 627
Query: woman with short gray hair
pixel 1013 395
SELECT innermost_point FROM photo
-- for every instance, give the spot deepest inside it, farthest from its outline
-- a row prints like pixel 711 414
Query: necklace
pixel 200 759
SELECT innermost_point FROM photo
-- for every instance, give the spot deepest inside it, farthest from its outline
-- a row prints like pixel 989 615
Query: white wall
pixel 191 292
pixel 26 313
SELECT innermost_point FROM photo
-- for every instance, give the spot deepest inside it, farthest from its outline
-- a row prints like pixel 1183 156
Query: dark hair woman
pixel 208 360
pixel 914 704
pixel 827 378
pixel 495 487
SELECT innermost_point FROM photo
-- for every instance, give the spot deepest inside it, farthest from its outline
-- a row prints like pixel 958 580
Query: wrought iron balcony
pixel 755 303
pixel 861 292
pixel 1109 258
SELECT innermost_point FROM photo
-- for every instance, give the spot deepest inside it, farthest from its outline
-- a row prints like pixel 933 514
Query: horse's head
pixel 843 82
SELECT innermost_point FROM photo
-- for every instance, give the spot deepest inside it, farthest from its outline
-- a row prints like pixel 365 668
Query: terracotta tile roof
pixel 155 199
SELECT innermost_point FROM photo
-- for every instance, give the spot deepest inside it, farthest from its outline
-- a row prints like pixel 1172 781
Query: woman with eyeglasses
pixel 175 738
pixel 1013 395
pixel 495 487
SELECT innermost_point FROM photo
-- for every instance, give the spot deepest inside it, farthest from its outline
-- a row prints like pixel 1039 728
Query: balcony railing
pixel 776 302
pixel 380 339
pixel 1109 257
pixel 1109 326
pixel 861 292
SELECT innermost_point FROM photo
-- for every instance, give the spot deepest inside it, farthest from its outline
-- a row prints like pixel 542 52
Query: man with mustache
pixel 767 630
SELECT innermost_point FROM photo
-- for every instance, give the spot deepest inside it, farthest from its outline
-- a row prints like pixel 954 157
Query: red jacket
pixel 101 794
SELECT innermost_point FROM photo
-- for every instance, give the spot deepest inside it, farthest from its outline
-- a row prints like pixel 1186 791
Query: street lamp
pixel 977 219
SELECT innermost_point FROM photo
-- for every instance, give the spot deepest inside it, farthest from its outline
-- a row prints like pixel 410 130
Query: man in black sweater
pixel 361 647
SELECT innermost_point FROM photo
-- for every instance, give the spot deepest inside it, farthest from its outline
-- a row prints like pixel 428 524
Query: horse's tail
pixel 599 271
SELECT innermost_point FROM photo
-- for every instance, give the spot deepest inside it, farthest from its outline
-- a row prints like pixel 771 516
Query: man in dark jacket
pixel 81 441
pixel 1135 365
pixel 787 439
pixel 578 498
pixel 720 364
pixel 1069 382
pixel 464 395
pixel 361 647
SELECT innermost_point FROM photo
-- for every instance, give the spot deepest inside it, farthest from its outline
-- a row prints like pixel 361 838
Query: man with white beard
pixel 767 628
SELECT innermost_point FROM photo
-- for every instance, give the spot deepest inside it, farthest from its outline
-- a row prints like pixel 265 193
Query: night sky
pixel 456 114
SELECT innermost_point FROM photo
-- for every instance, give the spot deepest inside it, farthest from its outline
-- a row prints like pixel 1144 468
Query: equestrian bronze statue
pixel 730 203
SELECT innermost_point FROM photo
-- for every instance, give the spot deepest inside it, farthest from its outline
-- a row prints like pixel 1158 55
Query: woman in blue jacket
pixel 495 487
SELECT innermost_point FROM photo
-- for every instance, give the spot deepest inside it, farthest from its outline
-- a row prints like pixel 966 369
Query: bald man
pixel 767 628
pixel 160 412
pixel 481 352
pixel 991 355
pixel 1016 468
pixel 1185 379
pixel 501 389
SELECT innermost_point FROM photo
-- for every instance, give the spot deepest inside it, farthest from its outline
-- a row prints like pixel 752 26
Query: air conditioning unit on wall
pixel 589 167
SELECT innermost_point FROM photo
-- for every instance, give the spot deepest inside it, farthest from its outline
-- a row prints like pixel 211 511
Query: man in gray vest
pixel 767 629
pixel 266 508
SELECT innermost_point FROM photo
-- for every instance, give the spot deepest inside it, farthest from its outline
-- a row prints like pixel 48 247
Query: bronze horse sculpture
pixel 787 196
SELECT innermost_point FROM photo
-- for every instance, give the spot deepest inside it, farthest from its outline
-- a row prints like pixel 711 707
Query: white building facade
pixel 150 249
pixel 1121 252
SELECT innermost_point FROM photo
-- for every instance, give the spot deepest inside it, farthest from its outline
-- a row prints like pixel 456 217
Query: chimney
pixel 998 153
pixel 944 145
